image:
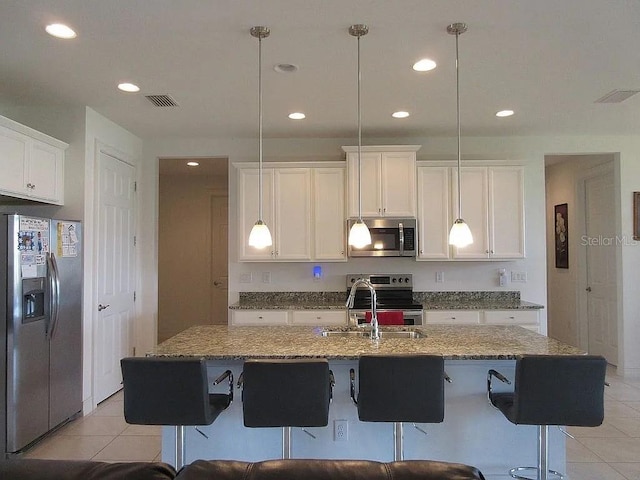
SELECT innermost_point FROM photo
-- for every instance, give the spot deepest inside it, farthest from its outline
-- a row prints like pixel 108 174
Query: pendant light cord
pixel 458 120
pixel 359 140
pixel 260 126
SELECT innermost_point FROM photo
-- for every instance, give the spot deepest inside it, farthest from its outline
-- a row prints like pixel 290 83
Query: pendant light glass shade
pixel 359 235
pixel 260 236
pixel 460 233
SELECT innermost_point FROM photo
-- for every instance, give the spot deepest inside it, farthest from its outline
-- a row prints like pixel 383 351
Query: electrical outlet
pixel 266 277
pixel 245 277
pixel 439 277
pixel 340 430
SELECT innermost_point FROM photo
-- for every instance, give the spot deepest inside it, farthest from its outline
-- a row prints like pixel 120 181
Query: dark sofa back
pixel 32 469
pixel 327 470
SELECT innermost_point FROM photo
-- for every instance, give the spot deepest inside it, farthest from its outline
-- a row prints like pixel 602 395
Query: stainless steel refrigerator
pixel 40 326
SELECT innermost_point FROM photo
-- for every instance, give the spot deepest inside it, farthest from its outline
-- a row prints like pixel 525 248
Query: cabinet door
pixel 475 210
pixel 259 318
pixel 14 151
pixel 329 214
pixel 319 317
pixel 511 317
pixel 46 174
pixel 506 212
pixel 248 211
pixel 434 213
pixel 371 188
pixel 452 316
pixel 398 184
pixel 293 214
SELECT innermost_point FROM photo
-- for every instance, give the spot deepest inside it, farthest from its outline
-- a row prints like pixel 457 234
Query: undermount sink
pixel 409 334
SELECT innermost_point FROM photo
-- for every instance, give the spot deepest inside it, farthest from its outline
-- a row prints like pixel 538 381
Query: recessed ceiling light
pixel 297 116
pixel 400 114
pixel 424 65
pixel 129 87
pixel 504 113
pixel 285 68
pixel 192 164
pixel 60 31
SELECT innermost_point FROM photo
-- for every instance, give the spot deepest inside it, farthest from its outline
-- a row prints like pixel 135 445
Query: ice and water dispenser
pixel 33 299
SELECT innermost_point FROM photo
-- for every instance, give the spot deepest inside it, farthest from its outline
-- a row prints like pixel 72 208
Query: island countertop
pixel 454 342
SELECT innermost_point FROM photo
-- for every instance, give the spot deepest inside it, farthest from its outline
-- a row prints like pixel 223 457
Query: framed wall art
pixel 562 236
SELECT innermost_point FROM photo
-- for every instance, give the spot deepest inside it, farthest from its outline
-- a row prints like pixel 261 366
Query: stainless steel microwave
pixel 390 237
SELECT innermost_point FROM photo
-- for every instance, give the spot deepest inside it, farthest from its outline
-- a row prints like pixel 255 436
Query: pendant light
pixel 359 235
pixel 460 234
pixel 260 236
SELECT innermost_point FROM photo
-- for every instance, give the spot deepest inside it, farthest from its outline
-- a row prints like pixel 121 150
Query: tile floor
pixel 608 452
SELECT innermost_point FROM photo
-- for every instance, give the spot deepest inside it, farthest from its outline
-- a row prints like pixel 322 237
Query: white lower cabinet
pixel 524 318
pixel 259 317
pixel 267 318
pixel 529 319
pixel 452 316
pixel 319 317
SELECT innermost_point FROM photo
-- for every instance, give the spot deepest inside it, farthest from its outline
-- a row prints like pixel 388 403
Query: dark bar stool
pixel 171 391
pixel 286 393
pixel 552 390
pixel 400 388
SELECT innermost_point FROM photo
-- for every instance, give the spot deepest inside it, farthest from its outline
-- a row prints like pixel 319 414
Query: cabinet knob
pixel 421 252
pixel 512 317
pixel 260 317
pixel 486 251
pixel 491 252
pixel 453 318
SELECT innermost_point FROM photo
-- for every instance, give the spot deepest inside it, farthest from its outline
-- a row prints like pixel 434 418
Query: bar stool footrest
pixel 534 471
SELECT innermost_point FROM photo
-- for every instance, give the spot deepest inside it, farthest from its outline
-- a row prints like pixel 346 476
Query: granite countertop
pixel 429 301
pixel 454 342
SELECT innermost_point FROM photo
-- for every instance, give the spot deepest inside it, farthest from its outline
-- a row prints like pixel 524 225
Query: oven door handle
pixel 401 235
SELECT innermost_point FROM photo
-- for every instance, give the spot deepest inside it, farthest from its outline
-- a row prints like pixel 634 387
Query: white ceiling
pixel 548 60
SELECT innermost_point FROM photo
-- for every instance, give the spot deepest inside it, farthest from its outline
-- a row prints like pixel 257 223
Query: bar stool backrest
pixel 286 393
pixel 401 388
pixel 559 390
pixel 166 391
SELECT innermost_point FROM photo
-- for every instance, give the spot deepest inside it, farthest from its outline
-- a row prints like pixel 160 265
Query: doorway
pixel 582 296
pixel 192 244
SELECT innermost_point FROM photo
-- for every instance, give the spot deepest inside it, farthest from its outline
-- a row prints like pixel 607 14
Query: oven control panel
pixel 383 280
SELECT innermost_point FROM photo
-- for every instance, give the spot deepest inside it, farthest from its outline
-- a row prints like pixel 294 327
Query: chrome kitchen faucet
pixel 375 331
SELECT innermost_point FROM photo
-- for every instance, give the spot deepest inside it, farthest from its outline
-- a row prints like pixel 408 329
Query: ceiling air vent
pixel 162 100
pixel 617 96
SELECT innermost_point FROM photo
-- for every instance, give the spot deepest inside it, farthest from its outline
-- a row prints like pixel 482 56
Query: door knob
pixel 217 283
pixel 102 307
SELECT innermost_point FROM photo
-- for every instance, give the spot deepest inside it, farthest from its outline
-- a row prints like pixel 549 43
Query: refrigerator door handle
pixel 55 297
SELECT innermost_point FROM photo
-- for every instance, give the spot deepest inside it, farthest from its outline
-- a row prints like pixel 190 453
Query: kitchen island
pixel 472 432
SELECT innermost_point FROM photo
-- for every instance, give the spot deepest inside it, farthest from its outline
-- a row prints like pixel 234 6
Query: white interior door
pixel 219 262
pixel 113 329
pixel 602 317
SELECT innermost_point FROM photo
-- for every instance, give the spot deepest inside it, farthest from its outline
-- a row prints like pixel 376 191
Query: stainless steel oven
pixel 394 294
pixel 390 237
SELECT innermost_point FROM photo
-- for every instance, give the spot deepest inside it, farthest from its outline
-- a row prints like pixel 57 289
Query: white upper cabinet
pixel 493 207
pixel 329 214
pixel 303 207
pixel 434 213
pixel 32 164
pixel 292 204
pixel 388 180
